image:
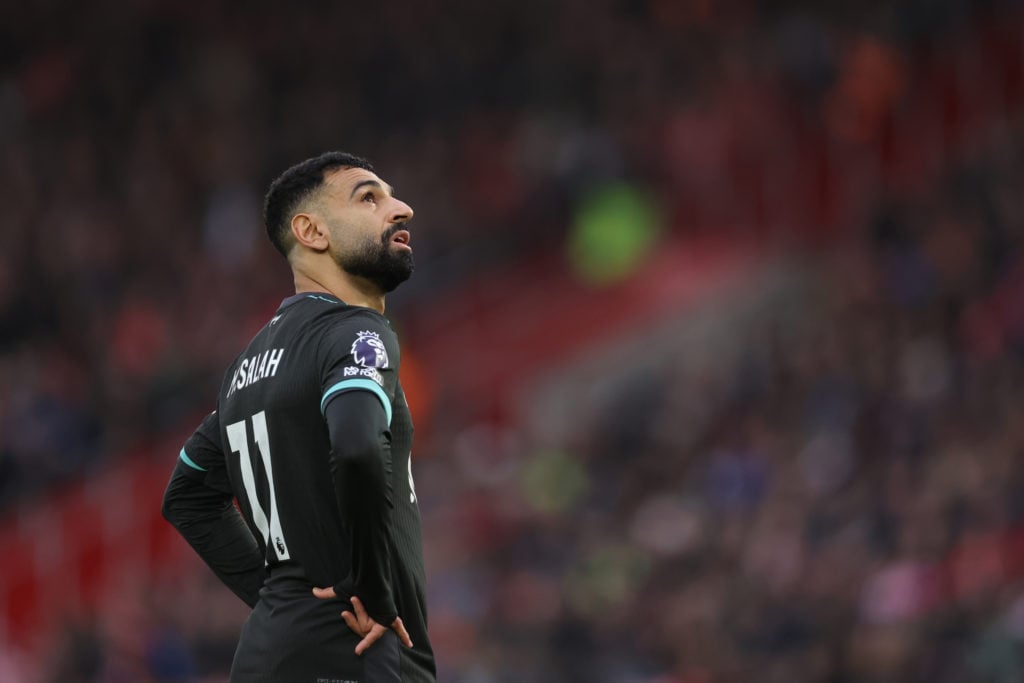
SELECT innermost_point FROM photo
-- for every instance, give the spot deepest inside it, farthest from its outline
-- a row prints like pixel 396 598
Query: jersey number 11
pixel 238 438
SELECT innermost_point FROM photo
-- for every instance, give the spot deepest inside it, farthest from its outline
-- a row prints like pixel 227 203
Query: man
pixel 312 436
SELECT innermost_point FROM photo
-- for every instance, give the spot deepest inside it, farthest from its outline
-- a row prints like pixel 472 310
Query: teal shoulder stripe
pixel 188 461
pixel 358 383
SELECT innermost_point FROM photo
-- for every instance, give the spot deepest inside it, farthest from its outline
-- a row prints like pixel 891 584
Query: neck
pixel 353 291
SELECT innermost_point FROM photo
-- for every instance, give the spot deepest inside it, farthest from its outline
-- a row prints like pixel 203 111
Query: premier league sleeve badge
pixel 369 351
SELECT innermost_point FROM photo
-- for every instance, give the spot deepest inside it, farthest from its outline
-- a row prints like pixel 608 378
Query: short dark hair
pixel 294 185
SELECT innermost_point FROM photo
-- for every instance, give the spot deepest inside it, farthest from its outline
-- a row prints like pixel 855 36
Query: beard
pixel 379 263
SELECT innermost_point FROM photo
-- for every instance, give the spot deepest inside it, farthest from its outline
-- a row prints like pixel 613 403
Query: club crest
pixel 368 350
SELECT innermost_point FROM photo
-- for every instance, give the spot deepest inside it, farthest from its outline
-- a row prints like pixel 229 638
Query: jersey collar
pixel 318 296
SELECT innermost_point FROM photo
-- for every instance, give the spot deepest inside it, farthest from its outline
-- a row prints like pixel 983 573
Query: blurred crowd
pixel 833 492
pixel 139 138
pixel 838 504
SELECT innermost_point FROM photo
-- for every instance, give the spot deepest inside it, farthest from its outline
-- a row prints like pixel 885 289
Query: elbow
pixel 169 510
pixel 173 506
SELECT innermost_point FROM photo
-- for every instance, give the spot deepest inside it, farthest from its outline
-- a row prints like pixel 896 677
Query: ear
pixel 309 232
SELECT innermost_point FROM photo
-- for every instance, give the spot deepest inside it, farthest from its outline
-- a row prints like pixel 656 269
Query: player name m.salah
pixel 252 370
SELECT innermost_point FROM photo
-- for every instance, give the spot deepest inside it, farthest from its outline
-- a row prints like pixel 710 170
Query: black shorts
pixel 293 637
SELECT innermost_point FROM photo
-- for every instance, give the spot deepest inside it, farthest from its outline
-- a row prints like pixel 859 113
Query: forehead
pixel 341 181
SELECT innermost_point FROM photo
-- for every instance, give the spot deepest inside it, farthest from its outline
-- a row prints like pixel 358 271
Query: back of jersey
pixel 274 436
pixel 268 444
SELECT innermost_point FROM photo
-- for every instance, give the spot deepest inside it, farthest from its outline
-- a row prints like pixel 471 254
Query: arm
pixel 361 469
pixel 211 524
pixel 199 503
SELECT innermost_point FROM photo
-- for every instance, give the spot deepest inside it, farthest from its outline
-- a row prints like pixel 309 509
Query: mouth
pixel 402 239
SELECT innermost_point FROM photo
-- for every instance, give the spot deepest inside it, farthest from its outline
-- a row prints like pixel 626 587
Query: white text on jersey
pixel 252 370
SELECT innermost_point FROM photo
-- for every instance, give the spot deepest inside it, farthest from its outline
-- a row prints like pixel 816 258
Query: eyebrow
pixel 374 183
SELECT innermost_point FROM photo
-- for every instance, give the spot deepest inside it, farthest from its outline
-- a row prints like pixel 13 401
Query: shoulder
pixel 361 334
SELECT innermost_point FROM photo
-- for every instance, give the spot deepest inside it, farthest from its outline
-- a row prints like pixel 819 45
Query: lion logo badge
pixel 369 351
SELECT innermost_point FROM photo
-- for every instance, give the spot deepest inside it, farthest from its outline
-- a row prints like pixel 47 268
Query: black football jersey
pixel 268 442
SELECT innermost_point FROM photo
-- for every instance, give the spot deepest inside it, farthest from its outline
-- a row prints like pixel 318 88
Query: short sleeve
pixel 359 352
pixel 204 456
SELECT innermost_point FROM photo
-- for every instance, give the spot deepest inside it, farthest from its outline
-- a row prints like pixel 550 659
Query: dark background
pixel 714 346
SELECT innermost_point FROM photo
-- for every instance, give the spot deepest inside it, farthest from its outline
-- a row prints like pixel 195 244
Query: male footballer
pixel 312 437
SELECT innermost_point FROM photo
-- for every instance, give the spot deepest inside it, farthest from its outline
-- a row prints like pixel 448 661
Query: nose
pixel 400 212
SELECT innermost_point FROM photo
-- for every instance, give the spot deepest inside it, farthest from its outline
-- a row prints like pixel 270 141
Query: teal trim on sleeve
pixel 188 461
pixel 358 383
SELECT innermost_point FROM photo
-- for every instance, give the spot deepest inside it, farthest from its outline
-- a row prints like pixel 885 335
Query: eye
pixel 370 197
